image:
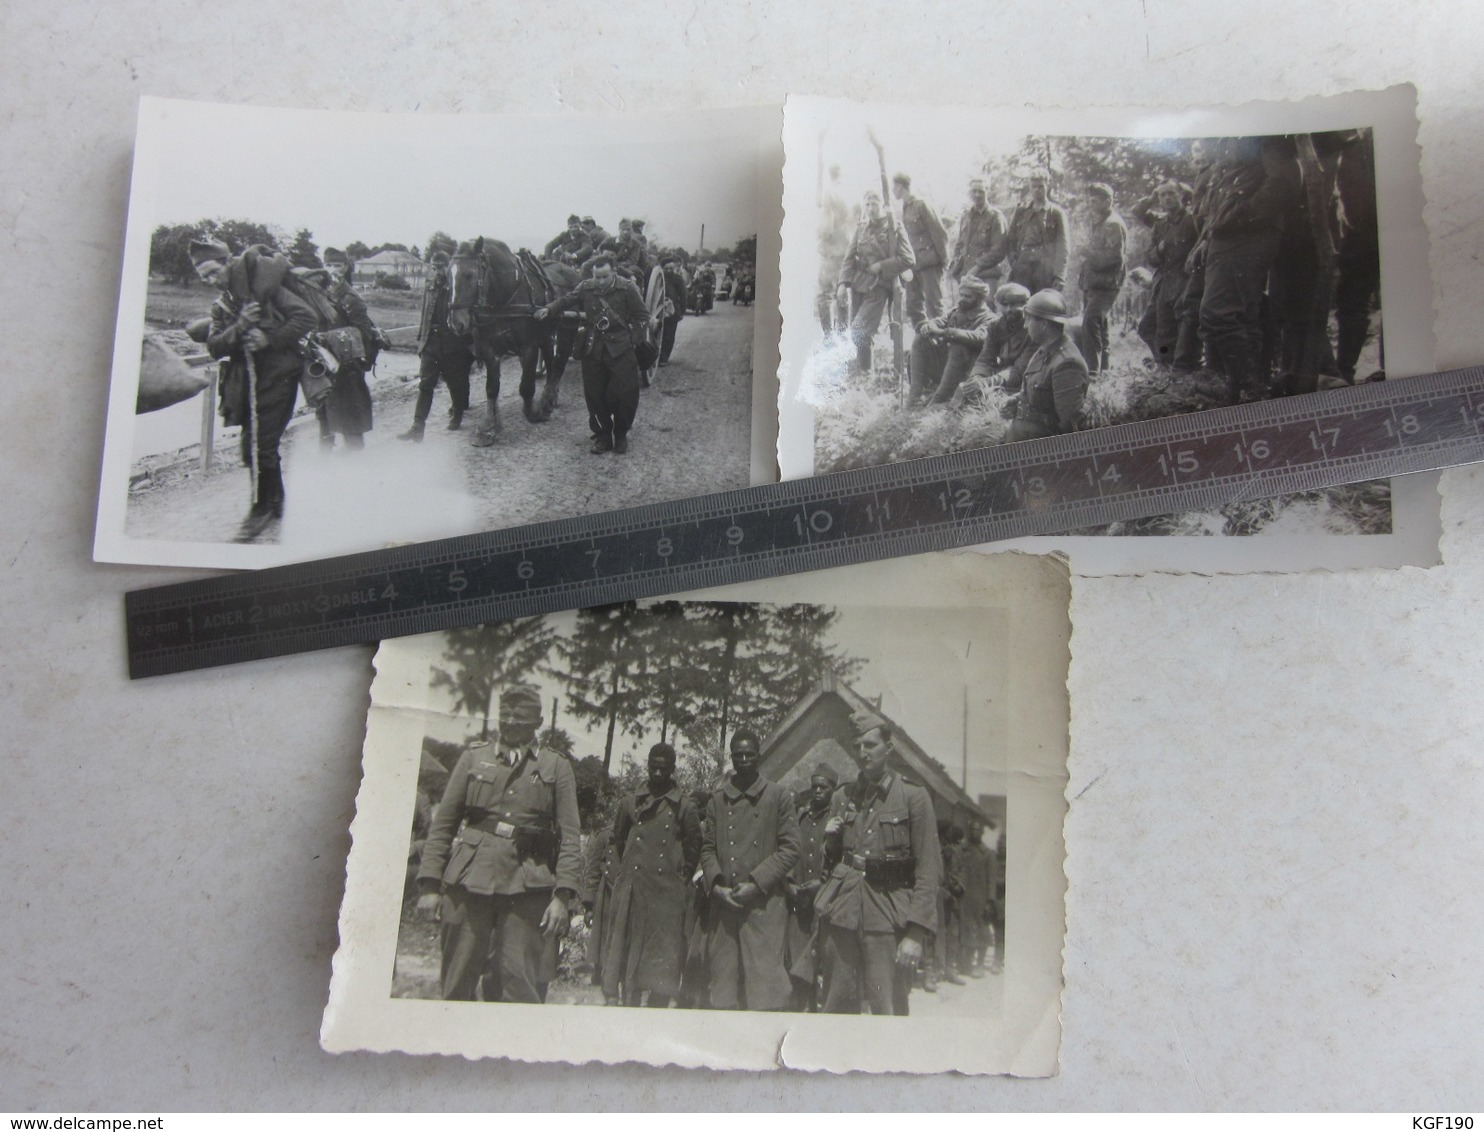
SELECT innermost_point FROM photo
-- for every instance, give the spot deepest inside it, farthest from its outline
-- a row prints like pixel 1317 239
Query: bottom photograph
pixel 751 828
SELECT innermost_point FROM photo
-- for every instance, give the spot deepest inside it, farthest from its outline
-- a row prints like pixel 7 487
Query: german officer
pixel 504 848
pixel 617 320
pixel 879 909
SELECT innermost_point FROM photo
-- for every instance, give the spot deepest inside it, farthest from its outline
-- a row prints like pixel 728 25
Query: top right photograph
pixel 981 278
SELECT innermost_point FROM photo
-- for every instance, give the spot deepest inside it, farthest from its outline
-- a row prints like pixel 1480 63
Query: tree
pixel 482 659
pixel 303 252
pixel 169 252
pixel 603 666
pixel 744 254
pixel 242 234
pixel 389 248
pixel 440 241
pixel 356 250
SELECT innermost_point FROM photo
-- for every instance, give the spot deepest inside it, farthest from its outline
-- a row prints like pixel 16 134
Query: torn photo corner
pixel 381 273
pixel 813 823
pixel 958 277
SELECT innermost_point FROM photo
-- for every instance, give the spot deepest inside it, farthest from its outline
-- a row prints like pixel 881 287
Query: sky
pixel 396 178
pixel 920 662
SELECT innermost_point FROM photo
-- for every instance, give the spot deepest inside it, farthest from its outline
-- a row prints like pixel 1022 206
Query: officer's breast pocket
pixel 896 832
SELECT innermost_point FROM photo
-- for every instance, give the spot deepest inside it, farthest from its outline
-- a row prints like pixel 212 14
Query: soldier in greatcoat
pixel 255 318
pixel 878 910
pixel 442 354
pixel 929 243
pixel 803 884
pixel 750 844
pixel 503 860
pixel 617 321
pixel 878 254
pixel 347 410
pixel 655 845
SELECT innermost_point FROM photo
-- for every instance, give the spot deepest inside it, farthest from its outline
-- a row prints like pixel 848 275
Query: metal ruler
pixel 1184 463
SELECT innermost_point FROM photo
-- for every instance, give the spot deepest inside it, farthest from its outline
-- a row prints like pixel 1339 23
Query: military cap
pixel 1012 295
pixel 588 220
pixel 520 705
pixel 440 259
pixel 975 284
pixel 865 722
pixel 902 179
pixel 1047 305
pixel 334 255
pixel 637 225
pixel 573 219
pixel 1098 189
pixel 205 249
pixel 825 772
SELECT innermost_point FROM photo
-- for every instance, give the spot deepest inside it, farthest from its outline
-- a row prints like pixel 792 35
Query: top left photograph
pixel 341 331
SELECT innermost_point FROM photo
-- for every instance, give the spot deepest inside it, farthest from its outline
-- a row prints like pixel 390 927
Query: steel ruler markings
pixel 1191 462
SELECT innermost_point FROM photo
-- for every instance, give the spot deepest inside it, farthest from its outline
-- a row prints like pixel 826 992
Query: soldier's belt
pixel 884 872
pixel 510 830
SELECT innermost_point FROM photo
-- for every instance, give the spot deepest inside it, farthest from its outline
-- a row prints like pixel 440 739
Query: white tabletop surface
pixel 1275 845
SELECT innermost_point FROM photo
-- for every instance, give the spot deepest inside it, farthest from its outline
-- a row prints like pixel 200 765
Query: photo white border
pixel 164 123
pixel 1406 302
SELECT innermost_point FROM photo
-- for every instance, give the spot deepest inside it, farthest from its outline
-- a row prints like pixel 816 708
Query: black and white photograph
pixel 980 282
pixel 340 331
pixel 799 809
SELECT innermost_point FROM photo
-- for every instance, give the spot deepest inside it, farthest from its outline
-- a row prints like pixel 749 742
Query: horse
pixel 493 297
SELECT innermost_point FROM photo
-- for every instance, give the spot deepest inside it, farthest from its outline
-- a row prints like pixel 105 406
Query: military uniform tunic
pixel 929 244
pixel 751 834
pixel 883 244
pixel 502 840
pixel 1053 389
pixel 655 845
pixel 940 364
pixel 804 882
pixel 441 353
pixel 1101 278
pixel 1038 247
pixel 885 885
pixel 979 246
pixel 616 319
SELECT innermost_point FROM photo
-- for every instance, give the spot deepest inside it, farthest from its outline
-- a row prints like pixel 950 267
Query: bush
pixel 387 282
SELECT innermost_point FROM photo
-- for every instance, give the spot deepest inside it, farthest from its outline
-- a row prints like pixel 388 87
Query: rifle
pixel 894 315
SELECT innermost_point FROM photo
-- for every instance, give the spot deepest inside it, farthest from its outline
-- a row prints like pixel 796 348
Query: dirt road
pixel 691 437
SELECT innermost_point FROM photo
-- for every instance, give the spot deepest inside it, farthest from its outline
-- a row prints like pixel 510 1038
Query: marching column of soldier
pixel 1235 270
pixel 279 328
pixel 741 898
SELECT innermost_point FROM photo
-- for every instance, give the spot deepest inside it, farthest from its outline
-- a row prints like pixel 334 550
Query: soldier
pixel 944 350
pixel 505 851
pixel 803 885
pixel 257 326
pixel 347 410
pixel 976 874
pixel 981 241
pixel 630 253
pixel 929 243
pixel 1101 274
pixel 878 254
pixel 1038 239
pixel 1055 381
pixel 617 320
pixel 1172 235
pixel 441 354
pixel 751 841
pixel 1255 186
pixel 878 911
pixel 675 295
pixel 656 844
pixel 597 235
pixel 571 246
pixel 948 952
pixel 1203 164
pixel 834 242
pixel 1359 262
pixel 1007 343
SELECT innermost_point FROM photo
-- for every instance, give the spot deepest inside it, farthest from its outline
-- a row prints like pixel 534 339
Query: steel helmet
pixel 1047 304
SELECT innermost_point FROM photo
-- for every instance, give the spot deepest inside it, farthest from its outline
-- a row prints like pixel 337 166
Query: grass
pixel 858 424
